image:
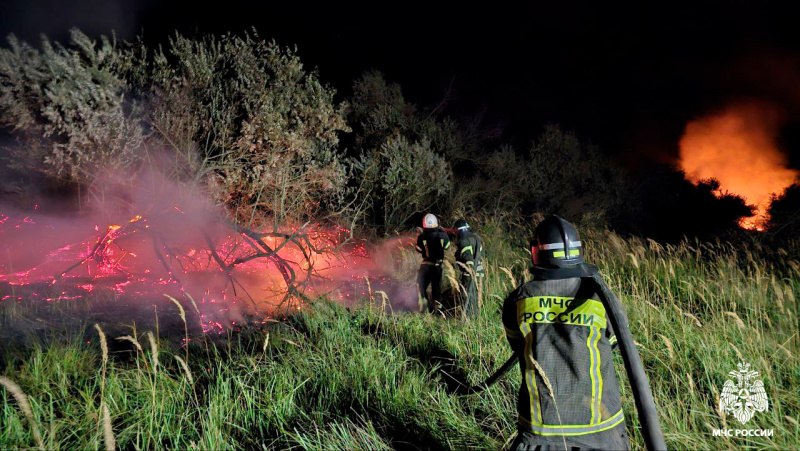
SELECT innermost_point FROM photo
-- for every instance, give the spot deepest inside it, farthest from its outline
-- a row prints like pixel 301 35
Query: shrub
pixel 402 179
pixel 402 165
pixel 784 213
pixel 70 108
pixel 236 114
pixel 246 115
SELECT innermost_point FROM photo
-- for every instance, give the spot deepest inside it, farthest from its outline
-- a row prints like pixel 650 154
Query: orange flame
pixel 738 148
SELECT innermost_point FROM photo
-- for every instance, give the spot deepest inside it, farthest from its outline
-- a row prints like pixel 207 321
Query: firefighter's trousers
pixel 429 275
pixel 470 301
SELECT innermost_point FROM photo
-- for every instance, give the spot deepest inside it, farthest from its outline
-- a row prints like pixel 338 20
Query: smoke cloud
pixel 116 260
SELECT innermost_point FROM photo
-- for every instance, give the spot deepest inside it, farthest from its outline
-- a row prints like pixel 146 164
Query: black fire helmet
pixel 461 224
pixel 556 244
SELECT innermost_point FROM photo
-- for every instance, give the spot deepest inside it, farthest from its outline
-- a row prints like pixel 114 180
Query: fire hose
pixel 640 384
pixel 495 376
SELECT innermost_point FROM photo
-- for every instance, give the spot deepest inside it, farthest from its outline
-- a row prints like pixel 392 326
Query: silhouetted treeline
pixel 466 171
pixel 242 117
pixel 784 214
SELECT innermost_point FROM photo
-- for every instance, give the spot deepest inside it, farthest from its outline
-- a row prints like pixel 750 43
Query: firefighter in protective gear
pixel 557 326
pixel 431 243
pixel 469 251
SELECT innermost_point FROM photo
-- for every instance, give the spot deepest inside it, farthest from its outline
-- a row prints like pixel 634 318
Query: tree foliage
pixel 69 107
pixel 663 204
pixel 400 155
pixel 403 179
pixel 784 213
pixel 238 114
pixel 246 114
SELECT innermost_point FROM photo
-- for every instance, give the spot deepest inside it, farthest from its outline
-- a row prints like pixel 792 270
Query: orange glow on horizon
pixel 738 148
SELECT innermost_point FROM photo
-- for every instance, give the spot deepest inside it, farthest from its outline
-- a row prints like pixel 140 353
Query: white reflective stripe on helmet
pixel 549 246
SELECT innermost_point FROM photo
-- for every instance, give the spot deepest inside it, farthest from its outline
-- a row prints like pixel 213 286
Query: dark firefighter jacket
pixel 470 250
pixel 431 243
pixel 561 324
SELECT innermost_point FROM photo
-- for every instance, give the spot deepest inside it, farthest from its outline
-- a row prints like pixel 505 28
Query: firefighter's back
pixel 432 244
pixel 560 325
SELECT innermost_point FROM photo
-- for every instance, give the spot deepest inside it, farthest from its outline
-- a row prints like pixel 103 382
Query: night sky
pixel 627 77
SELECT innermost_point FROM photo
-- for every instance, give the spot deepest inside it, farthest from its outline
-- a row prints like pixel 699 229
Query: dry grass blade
pixel 104 347
pixel 783 348
pixel 25 407
pixel 154 348
pixel 717 407
pixel 108 432
pixel 369 288
pixel 266 343
pixel 186 368
pixel 510 276
pixel 738 320
pixel 634 260
pixel 456 284
pixel 544 378
pixel 384 299
pixel 194 304
pixel 778 290
pixel 789 294
pixel 510 439
pixel 291 342
pixel 183 318
pixel 693 318
pixel 736 350
pixel 551 392
pixel 670 349
pixel 103 343
pixel 180 307
pixel 132 340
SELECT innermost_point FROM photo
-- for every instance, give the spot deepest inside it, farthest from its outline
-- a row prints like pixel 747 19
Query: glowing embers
pixel 235 274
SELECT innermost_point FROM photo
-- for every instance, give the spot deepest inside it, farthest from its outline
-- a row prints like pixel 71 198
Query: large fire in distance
pixel 737 146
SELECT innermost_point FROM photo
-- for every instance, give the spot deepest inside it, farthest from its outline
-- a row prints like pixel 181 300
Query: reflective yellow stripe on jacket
pixel 573 429
pixel 565 310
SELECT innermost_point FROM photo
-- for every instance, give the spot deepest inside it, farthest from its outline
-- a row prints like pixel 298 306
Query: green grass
pixel 332 378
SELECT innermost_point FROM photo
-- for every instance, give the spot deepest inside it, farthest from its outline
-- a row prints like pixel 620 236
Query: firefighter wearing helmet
pixel 469 251
pixel 431 243
pixel 557 326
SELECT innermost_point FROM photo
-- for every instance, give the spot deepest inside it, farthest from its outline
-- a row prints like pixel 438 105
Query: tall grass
pixel 333 378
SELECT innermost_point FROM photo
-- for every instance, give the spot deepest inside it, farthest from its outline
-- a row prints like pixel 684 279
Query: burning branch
pixel 161 259
pixel 113 232
pixel 89 256
pixel 283 266
pixel 271 248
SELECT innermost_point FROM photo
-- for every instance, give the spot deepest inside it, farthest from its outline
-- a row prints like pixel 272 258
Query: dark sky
pixel 627 76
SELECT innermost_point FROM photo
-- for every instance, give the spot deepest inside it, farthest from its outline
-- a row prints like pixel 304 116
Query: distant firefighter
pixel 431 243
pixel 557 325
pixel 468 254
